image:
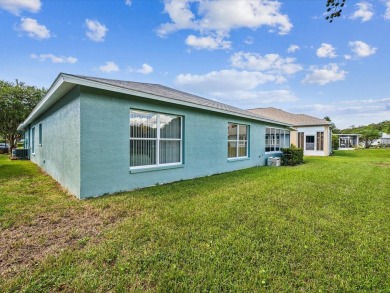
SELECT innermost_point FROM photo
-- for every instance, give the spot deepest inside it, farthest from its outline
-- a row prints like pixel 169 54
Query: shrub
pixel 292 156
pixel 335 142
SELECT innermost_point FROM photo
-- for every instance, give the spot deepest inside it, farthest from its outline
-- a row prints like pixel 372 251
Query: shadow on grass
pixel 10 169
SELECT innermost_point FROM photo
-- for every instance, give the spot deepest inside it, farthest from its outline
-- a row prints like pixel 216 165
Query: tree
pixel 16 101
pixel 334 9
pixel 368 135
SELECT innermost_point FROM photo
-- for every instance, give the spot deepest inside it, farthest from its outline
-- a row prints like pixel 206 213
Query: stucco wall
pixel 59 154
pixel 327 140
pixel 105 154
pixel 312 130
pixel 294 138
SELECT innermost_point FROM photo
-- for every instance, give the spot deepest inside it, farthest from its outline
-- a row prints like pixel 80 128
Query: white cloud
pixel 128 2
pixel 180 14
pixel 249 40
pixel 250 99
pixel 326 51
pixel 109 67
pixel 364 11
pixel 95 30
pixel 387 13
pixel 34 29
pixel 351 112
pixel 273 63
pixel 347 57
pixel 219 17
pixel 240 87
pixel 293 48
pixel 17 6
pixel 54 59
pixel 234 87
pixel 241 13
pixel 366 101
pixel 210 43
pixel 145 69
pixel 326 74
pixel 362 49
pixel 228 80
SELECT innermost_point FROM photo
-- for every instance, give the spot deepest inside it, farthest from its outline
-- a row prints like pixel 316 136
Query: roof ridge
pixel 108 79
pixel 288 117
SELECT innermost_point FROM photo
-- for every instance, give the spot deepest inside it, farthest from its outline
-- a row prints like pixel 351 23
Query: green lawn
pixel 320 227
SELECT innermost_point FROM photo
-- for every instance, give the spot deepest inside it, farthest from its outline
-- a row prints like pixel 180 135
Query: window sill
pixel 238 159
pixel 151 169
pixel 274 152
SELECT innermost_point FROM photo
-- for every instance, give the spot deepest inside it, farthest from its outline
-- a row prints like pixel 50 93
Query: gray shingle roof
pixel 173 94
pixel 65 82
pixel 286 117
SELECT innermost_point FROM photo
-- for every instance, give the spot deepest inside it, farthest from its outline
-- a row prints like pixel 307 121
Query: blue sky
pixel 246 53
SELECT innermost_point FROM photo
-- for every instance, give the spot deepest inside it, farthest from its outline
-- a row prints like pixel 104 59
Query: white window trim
pixel 317 142
pixel 33 140
pixel 40 134
pixel 273 145
pixel 237 140
pixel 157 139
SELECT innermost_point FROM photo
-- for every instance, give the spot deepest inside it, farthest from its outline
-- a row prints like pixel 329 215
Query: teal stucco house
pixel 97 136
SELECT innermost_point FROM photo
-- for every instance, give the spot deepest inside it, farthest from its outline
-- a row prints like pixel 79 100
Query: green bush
pixel 335 142
pixel 292 156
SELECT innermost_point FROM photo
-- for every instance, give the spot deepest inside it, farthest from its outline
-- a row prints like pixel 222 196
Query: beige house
pixel 313 135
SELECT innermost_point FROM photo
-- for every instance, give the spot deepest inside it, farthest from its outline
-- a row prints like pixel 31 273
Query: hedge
pixel 292 156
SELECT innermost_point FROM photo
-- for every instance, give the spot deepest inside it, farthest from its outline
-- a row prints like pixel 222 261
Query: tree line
pixel 368 133
pixel 17 100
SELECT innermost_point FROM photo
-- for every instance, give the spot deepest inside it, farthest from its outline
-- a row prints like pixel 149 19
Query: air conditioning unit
pixel 271 161
pixel 20 154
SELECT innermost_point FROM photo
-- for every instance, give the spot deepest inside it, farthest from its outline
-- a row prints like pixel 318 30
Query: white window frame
pixel 33 140
pixel 273 140
pixel 158 139
pixel 320 141
pixel 40 134
pixel 238 140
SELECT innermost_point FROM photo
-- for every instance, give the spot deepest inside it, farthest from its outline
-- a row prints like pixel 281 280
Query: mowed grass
pixel 323 226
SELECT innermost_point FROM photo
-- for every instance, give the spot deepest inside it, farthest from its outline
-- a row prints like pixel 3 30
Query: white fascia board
pixel 118 89
pixel 311 125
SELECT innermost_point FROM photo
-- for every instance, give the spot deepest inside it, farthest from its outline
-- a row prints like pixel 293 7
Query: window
pixel 310 142
pixel 320 141
pixel 33 140
pixel 237 140
pixel 155 139
pixel 301 140
pixel 276 139
pixel 40 134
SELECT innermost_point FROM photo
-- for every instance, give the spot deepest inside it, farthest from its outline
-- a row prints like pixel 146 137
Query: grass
pixel 321 226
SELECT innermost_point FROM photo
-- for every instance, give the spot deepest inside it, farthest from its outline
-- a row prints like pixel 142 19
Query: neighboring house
pixel 97 136
pixel 4 147
pixel 312 134
pixel 348 141
pixel 384 140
